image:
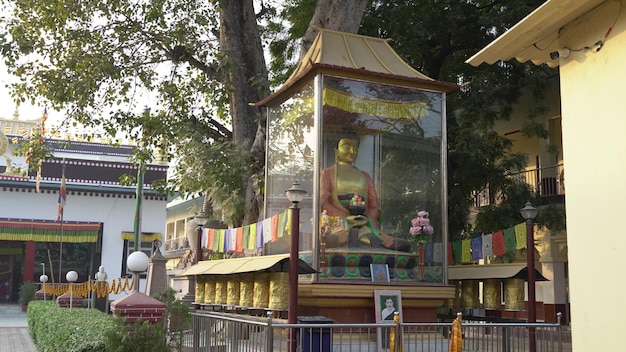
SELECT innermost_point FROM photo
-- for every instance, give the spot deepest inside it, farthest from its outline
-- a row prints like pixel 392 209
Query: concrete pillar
pixel 157 273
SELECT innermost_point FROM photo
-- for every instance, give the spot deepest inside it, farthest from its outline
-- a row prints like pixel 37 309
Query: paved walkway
pixel 14 334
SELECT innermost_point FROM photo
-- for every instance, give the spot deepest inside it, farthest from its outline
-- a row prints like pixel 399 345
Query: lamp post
pixel 295 194
pixel 529 212
pixel 43 278
pixel 137 262
pixel 71 277
pixel 201 220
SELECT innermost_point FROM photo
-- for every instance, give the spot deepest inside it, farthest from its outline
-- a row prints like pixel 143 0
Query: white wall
pixel 117 214
pixel 594 124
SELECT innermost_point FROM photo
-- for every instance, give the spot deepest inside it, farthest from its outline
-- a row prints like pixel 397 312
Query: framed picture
pixel 379 272
pixel 386 303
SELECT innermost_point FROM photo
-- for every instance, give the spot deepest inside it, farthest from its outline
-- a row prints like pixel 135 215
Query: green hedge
pixel 59 329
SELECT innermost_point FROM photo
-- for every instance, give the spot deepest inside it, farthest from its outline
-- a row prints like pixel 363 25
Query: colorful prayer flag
pixel 487 245
pixel 466 254
pixel 499 247
pixel 62 196
pixel 477 248
pixel 520 235
pixel 509 239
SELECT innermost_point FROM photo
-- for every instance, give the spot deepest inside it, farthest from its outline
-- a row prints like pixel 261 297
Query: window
pixel 129 245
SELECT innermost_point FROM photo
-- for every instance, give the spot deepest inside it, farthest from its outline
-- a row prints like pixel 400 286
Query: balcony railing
pixel 545 182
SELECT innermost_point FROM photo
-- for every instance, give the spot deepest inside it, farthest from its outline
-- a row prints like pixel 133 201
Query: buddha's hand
pixel 357 220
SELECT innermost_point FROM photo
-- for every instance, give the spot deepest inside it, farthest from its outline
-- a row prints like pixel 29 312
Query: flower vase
pixel 421 251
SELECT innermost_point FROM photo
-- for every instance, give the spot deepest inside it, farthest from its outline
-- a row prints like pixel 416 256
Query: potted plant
pixel 26 294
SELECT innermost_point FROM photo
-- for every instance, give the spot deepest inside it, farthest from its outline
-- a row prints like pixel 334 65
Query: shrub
pixel 27 292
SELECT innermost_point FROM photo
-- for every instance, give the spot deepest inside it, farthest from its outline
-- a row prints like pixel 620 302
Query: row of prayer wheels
pixel 261 290
pixel 492 294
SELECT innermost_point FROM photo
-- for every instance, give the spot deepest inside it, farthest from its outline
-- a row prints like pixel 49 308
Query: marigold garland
pixel 100 288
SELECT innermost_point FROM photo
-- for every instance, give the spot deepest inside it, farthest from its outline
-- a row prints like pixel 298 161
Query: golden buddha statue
pixel 349 193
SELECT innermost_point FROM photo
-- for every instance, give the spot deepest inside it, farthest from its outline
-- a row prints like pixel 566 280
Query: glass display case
pixel 371 157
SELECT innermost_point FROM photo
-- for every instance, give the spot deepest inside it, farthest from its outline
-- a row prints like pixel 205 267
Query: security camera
pixel 560 53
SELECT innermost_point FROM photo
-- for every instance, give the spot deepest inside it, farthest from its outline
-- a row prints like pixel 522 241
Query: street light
pixel 71 277
pixel 529 212
pixel 43 278
pixel 295 194
pixel 201 220
pixel 137 262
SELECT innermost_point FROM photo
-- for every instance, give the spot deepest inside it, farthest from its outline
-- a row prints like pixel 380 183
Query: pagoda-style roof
pixel 356 56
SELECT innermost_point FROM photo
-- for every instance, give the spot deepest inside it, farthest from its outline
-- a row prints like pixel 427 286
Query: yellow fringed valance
pixel 391 109
pixel 375 107
pixel 145 236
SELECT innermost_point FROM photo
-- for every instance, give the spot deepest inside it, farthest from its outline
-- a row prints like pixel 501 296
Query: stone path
pixel 14 334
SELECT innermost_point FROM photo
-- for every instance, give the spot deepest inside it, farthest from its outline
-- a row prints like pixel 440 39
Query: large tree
pixel 198 64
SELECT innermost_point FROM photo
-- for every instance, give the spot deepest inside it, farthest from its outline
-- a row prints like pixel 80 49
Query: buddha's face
pixel 347 150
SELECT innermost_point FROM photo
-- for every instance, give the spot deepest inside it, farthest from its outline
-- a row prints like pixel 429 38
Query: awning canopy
pixel 268 263
pixel 48 230
pixel 537 35
pixel 493 271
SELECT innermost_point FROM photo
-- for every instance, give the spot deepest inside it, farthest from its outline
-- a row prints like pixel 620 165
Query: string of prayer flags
pixel 450 254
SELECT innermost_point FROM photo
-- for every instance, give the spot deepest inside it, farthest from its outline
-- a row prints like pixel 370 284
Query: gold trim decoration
pixel 145 236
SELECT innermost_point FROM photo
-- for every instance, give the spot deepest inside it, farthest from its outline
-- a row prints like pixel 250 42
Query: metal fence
pixel 224 332
pixel 544 182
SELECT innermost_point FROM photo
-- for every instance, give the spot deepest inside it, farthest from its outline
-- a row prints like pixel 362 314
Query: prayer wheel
pixel 221 289
pixel 261 290
pixel 514 294
pixel 232 287
pixel 209 289
pixel 469 294
pixel 199 294
pixel 492 296
pixel 246 290
pixel 279 290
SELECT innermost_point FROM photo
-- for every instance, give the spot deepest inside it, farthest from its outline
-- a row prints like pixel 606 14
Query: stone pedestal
pixel 42 296
pixel 138 305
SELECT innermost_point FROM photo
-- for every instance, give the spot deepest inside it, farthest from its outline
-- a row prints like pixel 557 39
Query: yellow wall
pixel 593 101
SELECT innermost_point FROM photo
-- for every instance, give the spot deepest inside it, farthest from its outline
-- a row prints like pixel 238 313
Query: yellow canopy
pixel 268 263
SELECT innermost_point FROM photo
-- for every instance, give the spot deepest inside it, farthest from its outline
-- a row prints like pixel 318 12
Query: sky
pixel 26 111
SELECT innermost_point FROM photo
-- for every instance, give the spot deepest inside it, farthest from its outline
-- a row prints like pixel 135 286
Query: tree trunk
pixel 338 15
pixel 247 82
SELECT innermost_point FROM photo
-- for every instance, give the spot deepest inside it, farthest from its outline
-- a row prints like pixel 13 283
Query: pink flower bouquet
pixel 421 230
